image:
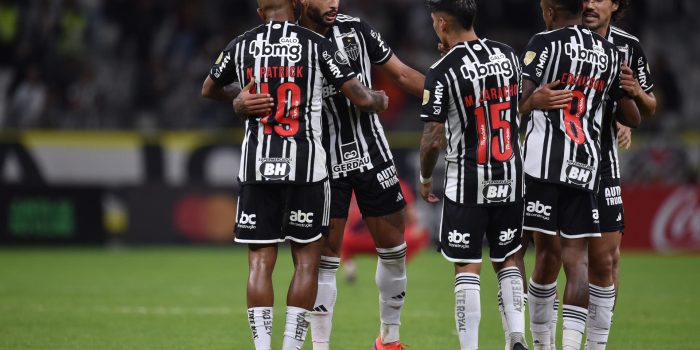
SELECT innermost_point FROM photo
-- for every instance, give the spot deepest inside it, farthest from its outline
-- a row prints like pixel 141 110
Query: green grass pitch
pixel 194 298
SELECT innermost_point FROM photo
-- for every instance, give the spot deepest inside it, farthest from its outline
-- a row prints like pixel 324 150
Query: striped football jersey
pixel 290 63
pixel 563 146
pixel 474 90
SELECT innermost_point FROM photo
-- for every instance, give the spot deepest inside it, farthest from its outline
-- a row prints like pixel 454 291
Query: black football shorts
pixel 612 215
pixel 377 191
pixel 553 208
pixel 273 213
pixel 463 228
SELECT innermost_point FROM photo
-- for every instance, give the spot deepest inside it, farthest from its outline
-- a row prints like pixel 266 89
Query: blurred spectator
pixel 28 101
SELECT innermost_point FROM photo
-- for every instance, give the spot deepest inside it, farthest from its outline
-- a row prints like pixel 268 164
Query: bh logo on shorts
pixel 579 174
pixel 497 191
pixel 538 210
pixel 507 236
pixel 275 168
pixel 247 221
pixel 458 240
pixel 300 219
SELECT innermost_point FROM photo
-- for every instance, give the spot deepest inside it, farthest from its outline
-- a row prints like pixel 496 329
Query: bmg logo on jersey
pixel 247 221
pixel 275 168
pixel 301 219
pixel 288 48
pixel 539 210
pixel 498 65
pixel 497 191
pixel 580 174
pixel 458 239
pixel 507 236
pixel 597 56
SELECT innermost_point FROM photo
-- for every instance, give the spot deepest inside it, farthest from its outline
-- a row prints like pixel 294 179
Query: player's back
pixel 474 89
pixel 354 139
pixel 290 63
pixel 632 54
pixel 563 146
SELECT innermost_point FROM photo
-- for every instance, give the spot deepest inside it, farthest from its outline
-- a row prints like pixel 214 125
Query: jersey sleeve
pixel 223 72
pixel 377 49
pixel 335 72
pixel 435 105
pixel 616 91
pixel 535 59
pixel 640 66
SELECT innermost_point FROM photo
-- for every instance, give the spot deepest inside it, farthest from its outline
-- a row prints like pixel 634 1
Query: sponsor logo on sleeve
pixel 529 57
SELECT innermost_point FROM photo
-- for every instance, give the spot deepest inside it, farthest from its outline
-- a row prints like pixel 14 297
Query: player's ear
pixel 261 14
pixel 615 6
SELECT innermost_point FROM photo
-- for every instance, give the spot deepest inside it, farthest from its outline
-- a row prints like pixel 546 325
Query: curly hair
pixel 622 5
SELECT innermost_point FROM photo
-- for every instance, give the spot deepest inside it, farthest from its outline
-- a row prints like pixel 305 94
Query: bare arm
pixel 249 104
pixel 646 102
pixel 364 98
pixel 628 113
pixel 407 78
pixel 430 145
pixel 216 92
pixel 544 97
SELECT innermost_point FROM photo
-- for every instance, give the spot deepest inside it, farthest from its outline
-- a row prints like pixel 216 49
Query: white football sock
pixel 553 324
pixel 600 305
pixel 260 321
pixel 504 321
pixel 295 328
pixel 541 299
pixel 391 282
pixel 322 314
pixel 510 284
pixel 468 309
pixel 573 325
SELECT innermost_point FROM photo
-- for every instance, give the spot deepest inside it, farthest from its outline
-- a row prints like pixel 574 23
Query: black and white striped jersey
pixel 632 54
pixel 354 139
pixel 563 146
pixel 474 90
pixel 290 63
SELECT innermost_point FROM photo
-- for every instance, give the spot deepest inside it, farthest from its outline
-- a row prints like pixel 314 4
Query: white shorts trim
pixel 270 241
pixel 582 235
pixel 461 261
pixel 507 255
pixel 551 233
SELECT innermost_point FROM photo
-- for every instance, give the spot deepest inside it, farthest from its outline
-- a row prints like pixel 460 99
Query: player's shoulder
pixel 455 54
pixel 343 18
pixel 620 34
pixel 503 47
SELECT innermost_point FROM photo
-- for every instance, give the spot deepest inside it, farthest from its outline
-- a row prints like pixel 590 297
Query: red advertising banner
pixel 662 218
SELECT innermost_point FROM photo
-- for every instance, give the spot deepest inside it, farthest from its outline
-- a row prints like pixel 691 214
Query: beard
pixel 314 13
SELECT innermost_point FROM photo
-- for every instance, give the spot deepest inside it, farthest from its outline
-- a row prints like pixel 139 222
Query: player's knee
pixel 602 266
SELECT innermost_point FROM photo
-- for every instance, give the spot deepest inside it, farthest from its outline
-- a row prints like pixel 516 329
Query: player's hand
pixel 629 83
pixel 546 97
pixel 385 100
pixel 426 191
pixel 443 49
pixel 249 104
pixel 624 136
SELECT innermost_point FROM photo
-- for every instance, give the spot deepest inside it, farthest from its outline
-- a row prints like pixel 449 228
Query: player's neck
pixel 461 36
pixel 306 22
pixel 603 30
pixel 567 23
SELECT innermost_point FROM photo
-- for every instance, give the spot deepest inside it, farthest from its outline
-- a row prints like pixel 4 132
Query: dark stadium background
pixel 105 141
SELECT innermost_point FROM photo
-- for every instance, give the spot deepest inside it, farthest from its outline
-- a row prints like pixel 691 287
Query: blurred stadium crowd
pixel 139 64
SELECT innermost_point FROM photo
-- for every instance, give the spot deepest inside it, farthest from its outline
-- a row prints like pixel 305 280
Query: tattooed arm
pixel 430 145
pixel 364 98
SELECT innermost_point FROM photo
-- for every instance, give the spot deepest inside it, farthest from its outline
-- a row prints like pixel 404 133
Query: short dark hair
pixel 622 5
pixel 574 7
pixel 464 11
